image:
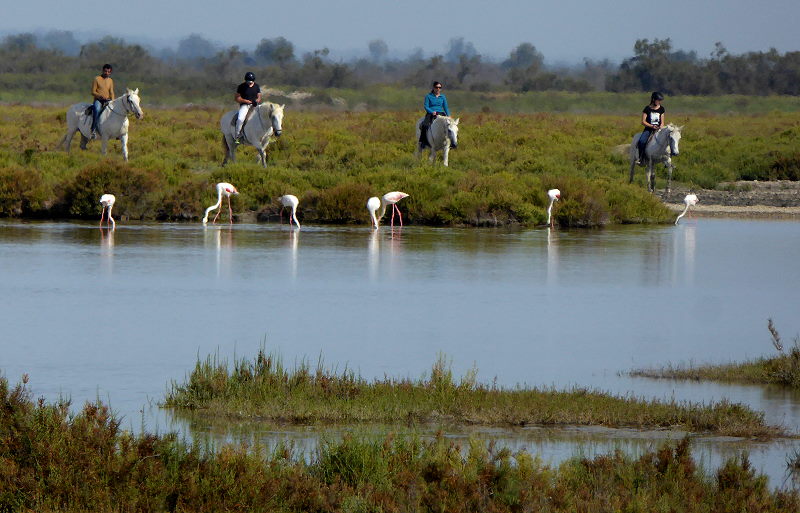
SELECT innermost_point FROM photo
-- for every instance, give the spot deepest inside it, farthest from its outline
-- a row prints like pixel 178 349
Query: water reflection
pixel 689 245
pixel 220 239
pixel 107 250
pixel 552 445
pixel 395 259
pixel 552 257
pixel 294 241
pixel 373 254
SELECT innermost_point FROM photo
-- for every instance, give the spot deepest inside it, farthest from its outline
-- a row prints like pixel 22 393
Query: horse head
pixel 276 116
pixel 674 138
pixel 132 104
pixel 452 131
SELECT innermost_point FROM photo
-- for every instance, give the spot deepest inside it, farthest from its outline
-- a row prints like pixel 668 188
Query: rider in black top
pixel 248 94
pixel 652 119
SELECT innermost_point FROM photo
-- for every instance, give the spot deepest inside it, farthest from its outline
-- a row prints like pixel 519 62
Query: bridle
pixel 128 107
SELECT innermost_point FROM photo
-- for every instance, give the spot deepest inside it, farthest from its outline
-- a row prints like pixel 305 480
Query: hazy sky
pixel 563 30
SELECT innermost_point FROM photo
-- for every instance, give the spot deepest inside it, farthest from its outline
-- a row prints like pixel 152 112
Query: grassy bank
pixel 53 461
pixel 265 389
pixel 334 161
pixel 782 369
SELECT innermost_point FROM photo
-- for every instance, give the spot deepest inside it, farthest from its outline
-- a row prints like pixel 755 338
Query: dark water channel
pixel 88 314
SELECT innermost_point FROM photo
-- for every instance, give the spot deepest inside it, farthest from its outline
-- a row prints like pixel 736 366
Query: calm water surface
pixel 90 314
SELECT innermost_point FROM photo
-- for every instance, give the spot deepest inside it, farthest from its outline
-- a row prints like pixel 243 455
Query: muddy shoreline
pixel 778 199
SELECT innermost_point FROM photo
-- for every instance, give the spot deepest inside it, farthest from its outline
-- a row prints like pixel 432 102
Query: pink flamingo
pixel 291 201
pixel 690 200
pixel 226 189
pixel 554 195
pixel 107 201
pixel 390 198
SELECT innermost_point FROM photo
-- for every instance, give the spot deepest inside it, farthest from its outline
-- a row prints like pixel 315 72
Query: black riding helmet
pixel 249 76
pixel 656 96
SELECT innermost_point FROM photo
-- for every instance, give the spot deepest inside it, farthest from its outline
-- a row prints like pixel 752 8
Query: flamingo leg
pixel 280 213
pixel 215 217
pixel 399 214
pixel 102 213
pixel 230 211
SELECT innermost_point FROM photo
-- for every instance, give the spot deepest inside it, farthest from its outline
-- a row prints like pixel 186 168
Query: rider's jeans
pixel 96 113
pixel 643 141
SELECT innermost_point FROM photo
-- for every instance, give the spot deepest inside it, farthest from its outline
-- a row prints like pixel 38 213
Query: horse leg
pixel 123 139
pixel 67 140
pixel 262 156
pixel 670 167
pixel 433 155
pixel 104 147
pixel 651 178
pixel 445 153
pixel 84 141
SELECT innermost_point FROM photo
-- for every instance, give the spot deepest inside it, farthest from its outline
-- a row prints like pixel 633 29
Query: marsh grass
pixel 783 369
pixel 264 388
pixel 52 460
pixel 333 161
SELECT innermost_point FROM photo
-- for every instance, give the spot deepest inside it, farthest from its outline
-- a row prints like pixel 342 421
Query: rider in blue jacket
pixel 435 104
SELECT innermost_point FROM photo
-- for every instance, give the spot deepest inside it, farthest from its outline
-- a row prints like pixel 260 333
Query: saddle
pixel 90 108
pixel 247 117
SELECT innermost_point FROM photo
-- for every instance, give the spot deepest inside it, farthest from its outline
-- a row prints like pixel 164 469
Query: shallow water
pixel 118 315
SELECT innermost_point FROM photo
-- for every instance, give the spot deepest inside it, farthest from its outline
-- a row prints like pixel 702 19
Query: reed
pixel 264 388
pixel 52 460
pixel 782 369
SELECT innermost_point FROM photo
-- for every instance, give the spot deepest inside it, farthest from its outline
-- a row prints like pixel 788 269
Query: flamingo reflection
pixel 552 256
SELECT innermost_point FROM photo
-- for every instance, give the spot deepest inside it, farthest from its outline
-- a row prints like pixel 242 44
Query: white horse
pixel 660 148
pixel 112 124
pixel 442 134
pixel 261 124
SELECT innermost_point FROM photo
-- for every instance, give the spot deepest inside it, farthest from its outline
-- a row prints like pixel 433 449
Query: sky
pixel 564 31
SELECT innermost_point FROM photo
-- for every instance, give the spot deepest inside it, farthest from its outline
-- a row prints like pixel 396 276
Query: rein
pixel 127 109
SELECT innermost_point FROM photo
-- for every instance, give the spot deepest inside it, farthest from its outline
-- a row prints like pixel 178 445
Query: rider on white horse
pixel 652 119
pixel 102 92
pixel 435 104
pixel 248 94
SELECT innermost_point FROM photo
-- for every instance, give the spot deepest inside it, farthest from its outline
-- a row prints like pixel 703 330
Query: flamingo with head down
pixel 291 201
pixel 223 189
pixel 690 200
pixel 554 195
pixel 390 198
pixel 107 201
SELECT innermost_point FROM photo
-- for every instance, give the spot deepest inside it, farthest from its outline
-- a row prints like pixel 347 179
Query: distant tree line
pixel 198 65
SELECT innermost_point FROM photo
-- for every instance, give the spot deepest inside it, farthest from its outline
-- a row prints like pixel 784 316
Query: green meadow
pixel 333 160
